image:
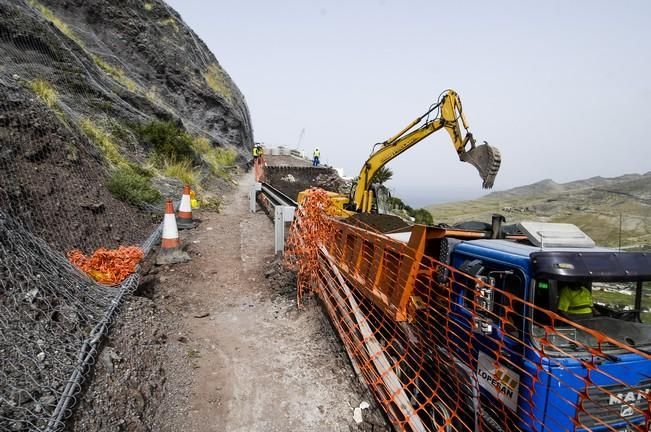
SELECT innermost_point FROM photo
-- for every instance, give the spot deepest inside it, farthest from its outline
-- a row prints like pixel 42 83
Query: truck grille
pixel 605 405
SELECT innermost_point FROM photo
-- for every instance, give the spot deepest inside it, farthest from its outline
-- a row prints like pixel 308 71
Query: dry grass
pixel 154 97
pixel 172 23
pixel 220 160
pixel 50 16
pixel 45 92
pixel 105 143
pixel 219 82
pixel 117 73
pixel 182 170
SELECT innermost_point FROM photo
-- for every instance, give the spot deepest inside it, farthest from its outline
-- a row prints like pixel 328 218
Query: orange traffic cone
pixel 170 232
pixel 170 250
pixel 184 217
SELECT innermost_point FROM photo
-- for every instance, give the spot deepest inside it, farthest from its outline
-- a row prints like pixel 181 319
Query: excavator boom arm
pixel 451 117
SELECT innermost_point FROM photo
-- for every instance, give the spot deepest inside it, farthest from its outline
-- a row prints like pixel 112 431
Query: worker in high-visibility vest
pixel 575 301
pixel 256 152
pixel 315 157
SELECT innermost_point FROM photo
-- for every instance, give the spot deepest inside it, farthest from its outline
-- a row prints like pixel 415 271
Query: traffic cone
pixel 170 248
pixel 170 238
pixel 184 217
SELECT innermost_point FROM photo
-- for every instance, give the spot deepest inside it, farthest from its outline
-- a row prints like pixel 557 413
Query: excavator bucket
pixel 486 159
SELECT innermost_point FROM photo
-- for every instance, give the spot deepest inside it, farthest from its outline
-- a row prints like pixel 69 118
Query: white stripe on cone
pixel 185 204
pixel 169 227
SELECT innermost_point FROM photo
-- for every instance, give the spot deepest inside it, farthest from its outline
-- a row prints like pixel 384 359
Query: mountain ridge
pixel 596 204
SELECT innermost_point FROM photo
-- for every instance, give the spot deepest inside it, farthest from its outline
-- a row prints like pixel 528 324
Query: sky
pixel 562 88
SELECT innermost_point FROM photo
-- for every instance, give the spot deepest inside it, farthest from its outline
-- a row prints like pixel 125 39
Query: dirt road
pixel 218 344
pixel 261 364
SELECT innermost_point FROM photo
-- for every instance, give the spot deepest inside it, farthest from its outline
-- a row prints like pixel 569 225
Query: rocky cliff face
pixel 127 59
pixel 79 79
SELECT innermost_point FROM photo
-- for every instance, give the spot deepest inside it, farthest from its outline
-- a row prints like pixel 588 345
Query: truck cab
pixel 540 368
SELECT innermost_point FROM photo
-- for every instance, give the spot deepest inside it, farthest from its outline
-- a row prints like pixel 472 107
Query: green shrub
pixel 422 216
pixel 201 145
pixel 168 141
pixel 128 185
pixel 146 170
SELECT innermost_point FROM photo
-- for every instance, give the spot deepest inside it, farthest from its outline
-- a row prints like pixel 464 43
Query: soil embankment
pixel 292 175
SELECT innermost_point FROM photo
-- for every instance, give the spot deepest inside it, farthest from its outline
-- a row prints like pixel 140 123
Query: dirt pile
pixel 292 180
pixel 383 223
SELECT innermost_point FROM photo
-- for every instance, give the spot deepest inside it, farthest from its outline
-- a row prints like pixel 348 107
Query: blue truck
pixel 522 367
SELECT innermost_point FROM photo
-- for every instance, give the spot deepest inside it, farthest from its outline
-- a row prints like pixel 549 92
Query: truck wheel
pixel 441 416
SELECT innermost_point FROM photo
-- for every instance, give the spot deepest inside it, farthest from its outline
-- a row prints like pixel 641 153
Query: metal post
pixel 253 195
pixel 282 214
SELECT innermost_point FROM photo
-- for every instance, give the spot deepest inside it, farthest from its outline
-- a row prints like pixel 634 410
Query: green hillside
pixel 594 204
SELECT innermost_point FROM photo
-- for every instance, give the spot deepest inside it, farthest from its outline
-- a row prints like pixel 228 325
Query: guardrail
pixel 283 210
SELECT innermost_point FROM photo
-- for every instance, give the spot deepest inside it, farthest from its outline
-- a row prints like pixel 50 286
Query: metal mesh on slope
pixel 47 310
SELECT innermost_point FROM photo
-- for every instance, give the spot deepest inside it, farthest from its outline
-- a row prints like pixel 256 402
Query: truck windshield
pixel 611 308
pixel 620 296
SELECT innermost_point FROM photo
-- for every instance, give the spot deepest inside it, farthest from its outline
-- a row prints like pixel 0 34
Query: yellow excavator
pixel 446 113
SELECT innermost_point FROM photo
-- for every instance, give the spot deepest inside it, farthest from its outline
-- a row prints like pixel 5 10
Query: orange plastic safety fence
pixel 258 168
pixel 108 266
pixel 313 226
pixel 445 351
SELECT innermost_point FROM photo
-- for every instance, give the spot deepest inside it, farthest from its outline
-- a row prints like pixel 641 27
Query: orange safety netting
pixel 108 266
pixel 258 168
pixel 439 354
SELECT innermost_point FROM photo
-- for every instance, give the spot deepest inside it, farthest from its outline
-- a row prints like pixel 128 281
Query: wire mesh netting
pixel 48 311
pixel 79 81
pixel 53 199
pixel 443 350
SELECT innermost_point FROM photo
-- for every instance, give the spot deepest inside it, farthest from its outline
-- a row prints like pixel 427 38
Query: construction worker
pixel 315 157
pixel 256 151
pixel 575 301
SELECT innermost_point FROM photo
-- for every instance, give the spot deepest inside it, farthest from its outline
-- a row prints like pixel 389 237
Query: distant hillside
pixel 594 204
